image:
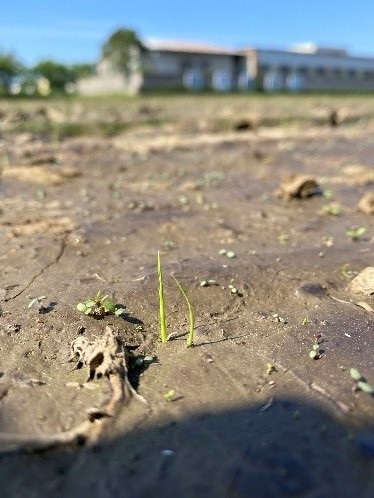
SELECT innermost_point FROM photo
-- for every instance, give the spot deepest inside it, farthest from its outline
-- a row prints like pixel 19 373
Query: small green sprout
pixel 327 194
pixel 360 382
pixel 100 306
pixel 356 233
pixel 347 272
pixel 228 253
pixel 191 314
pixel 162 313
pixel 283 238
pixel 315 353
pixel 306 321
pixel 328 241
pixel 38 300
pixel 279 319
pixel 332 209
pixel 270 367
pixel 355 374
pixel 365 387
pixel 170 395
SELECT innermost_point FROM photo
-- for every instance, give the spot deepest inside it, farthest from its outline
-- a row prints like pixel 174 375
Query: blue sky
pixel 74 30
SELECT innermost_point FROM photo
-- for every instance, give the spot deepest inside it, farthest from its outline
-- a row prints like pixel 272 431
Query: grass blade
pixel 161 298
pixel 191 315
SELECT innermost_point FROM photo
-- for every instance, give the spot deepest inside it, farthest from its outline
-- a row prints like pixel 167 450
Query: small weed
pixel 191 315
pixel 283 238
pixel 279 319
pixel 42 308
pixel 306 321
pixel 347 272
pixel 360 382
pixel 170 395
pixel 327 241
pixel 208 283
pixel 332 209
pixel 229 254
pixel 270 367
pixel 99 306
pixel 328 194
pixel 315 353
pixel 356 233
pixel 162 313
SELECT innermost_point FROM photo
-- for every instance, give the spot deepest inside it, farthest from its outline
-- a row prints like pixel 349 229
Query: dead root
pixel 103 357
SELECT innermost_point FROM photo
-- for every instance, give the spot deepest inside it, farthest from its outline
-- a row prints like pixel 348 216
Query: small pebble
pixel 230 254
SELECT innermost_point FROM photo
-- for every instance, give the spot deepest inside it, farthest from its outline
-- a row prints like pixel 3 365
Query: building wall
pixel 271 70
pixel 190 71
pixel 280 70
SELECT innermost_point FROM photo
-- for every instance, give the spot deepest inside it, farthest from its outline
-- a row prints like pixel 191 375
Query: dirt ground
pixel 251 414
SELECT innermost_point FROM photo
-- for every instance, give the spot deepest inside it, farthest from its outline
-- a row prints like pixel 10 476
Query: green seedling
pixel 170 395
pixel 332 209
pixel 306 321
pixel 327 194
pixel 100 306
pixel 191 315
pixel 356 233
pixel 228 253
pixel 315 353
pixel 283 238
pixel 328 241
pixel 347 272
pixel 355 374
pixel 365 387
pixel 39 301
pixel 161 298
pixel 360 382
pixel 270 367
pixel 208 283
pixel 279 319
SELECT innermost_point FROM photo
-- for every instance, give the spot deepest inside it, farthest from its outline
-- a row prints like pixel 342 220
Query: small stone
pixel 363 283
pixel 366 203
pixel 230 254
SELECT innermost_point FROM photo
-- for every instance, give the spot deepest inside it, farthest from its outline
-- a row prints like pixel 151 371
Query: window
pixel 193 79
pixel 221 80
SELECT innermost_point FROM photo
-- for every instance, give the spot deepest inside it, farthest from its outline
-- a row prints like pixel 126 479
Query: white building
pixel 173 65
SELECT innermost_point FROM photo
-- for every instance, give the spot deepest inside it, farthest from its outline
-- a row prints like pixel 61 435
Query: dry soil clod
pixel 294 185
pixel 366 203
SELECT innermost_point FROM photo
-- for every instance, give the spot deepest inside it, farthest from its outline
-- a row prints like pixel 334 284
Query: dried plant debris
pixel 105 357
pixel 363 283
pixel 366 203
pixel 295 185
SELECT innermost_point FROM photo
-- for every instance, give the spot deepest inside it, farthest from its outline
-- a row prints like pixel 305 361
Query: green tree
pixel 81 71
pixel 58 74
pixel 121 49
pixel 9 67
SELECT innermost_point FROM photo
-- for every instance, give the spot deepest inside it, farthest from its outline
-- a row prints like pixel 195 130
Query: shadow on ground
pixel 288 448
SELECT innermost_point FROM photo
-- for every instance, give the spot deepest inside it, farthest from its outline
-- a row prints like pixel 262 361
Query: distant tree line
pixel 120 50
pixel 13 74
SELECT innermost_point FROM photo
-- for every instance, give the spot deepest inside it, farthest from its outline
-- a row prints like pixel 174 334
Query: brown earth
pixel 87 213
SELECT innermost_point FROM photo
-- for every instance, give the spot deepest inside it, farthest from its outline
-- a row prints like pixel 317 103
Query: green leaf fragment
pixel 365 387
pixel 82 307
pixel 313 354
pixel 109 305
pixel 355 374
